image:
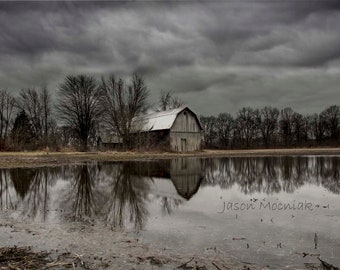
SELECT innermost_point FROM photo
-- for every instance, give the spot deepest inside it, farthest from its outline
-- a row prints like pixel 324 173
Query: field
pixel 43 158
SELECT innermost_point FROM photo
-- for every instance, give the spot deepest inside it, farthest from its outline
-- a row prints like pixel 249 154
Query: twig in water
pixel 185 264
pixel 327 266
pixel 239 238
pixel 56 264
pixel 305 254
pixel 214 264
pixel 315 241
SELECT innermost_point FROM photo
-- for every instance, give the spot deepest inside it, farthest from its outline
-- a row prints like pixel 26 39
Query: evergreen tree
pixel 22 133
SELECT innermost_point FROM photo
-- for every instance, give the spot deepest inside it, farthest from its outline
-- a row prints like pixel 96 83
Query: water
pixel 276 211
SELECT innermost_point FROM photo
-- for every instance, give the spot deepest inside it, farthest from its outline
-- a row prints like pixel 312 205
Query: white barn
pixel 177 130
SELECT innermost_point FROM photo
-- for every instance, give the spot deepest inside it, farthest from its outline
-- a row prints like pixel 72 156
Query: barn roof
pixel 159 120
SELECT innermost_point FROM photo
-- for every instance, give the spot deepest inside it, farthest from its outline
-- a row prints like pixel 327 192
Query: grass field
pixel 43 158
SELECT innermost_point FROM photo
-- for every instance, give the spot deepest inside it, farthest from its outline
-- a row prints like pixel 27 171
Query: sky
pixel 217 56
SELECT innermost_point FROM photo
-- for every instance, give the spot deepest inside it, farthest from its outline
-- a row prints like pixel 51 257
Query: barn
pixel 176 130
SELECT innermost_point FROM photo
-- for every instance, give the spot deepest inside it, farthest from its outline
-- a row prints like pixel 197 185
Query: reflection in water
pixel 134 195
pixel 17 176
pixel 273 174
pixel 5 194
pixel 169 204
pixel 82 191
pixel 127 198
pixel 33 186
pixel 186 175
pixel 173 180
pixel 118 193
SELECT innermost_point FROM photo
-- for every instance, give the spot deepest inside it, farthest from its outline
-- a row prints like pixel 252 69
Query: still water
pixel 276 211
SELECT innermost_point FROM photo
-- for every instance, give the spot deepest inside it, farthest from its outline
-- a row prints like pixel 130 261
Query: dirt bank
pixel 30 159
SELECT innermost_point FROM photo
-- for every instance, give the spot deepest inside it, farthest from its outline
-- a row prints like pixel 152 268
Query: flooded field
pixel 281 212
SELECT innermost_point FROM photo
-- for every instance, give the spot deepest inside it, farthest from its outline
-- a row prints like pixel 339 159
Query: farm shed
pixel 108 141
pixel 177 130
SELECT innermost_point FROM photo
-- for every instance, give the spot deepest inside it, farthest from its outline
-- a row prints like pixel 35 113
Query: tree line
pixel 271 127
pixel 84 107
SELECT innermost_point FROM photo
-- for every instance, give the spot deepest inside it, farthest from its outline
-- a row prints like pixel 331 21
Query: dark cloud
pixel 217 56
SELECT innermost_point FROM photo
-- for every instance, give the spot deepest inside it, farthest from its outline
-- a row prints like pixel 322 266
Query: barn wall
pixel 192 141
pixel 186 121
pixel 185 134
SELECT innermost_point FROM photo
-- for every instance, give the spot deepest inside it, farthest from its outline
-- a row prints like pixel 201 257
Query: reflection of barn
pixel 176 130
pixel 184 173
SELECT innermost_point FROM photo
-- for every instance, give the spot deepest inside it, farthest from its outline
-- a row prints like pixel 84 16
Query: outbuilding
pixel 176 130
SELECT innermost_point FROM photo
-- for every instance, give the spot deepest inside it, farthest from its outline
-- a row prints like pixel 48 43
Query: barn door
pixel 183 145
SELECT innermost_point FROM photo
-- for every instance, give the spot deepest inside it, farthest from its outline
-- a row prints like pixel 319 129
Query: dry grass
pixel 44 158
pixel 22 258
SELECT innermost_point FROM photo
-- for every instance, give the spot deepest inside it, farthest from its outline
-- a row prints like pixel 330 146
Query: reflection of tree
pixel 329 174
pixel 294 172
pixel 36 198
pixel 119 192
pixel 81 194
pixel 168 204
pixel 5 194
pixel 218 172
pixel 270 176
pixel 273 174
pixel 248 172
pixel 127 199
pixel 22 179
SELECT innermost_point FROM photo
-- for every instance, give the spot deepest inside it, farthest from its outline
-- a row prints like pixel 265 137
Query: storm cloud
pixel 217 56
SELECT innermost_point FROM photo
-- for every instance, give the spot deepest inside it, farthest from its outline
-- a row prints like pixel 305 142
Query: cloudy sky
pixel 217 56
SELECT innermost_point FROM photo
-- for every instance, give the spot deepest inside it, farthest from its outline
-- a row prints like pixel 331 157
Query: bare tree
pixel 298 125
pixel 209 129
pixel 29 102
pixel 331 116
pixel 47 121
pixel 247 124
pixel 37 105
pixel 224 128
pixel 286 125
pixel 79 106
pixel 168 102
pixel 317 127
pixel 306 128
pixel 122 102
pixel 7 103
pixel 268 124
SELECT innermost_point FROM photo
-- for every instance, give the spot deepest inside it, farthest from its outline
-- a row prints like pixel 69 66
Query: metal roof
pixel 156 121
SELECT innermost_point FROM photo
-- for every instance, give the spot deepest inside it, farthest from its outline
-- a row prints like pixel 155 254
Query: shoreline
pixel 43 158
pixel 95 245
